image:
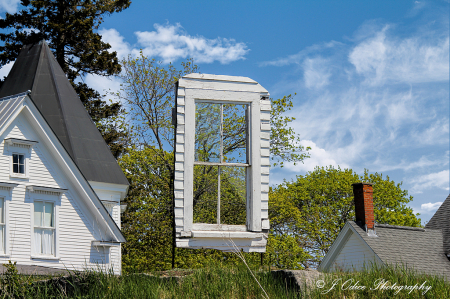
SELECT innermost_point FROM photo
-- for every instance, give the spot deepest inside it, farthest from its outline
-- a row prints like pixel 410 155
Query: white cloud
pixel 298 58
pixel 384 58
pixel 316 72
pixel 103 84
pixel 432 180
pixel 428 208
pixel 353 102
pixel 170 43
pixel 113 37
pixel 423 162
pixel 4 71
pixel 431 206
pixel 9 6
pixel 319 157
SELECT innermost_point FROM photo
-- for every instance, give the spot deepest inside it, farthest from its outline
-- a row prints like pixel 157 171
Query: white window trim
pixel 212 88
pixel 13 174
pixel 55 199
pixel 21 147
pixel 6 194
pixel 253 170
pixel 5 224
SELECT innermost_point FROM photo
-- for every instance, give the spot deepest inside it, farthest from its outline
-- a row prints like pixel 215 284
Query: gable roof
pixel 441 220
pixel 37 70
pixel 415 247
pixel 10 108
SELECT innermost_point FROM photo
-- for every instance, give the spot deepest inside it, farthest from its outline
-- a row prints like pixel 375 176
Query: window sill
pixel 45 257
pixel 18 176
pixel 228 234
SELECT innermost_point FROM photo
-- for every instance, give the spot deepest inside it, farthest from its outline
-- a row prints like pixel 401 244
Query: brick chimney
pixel 363 194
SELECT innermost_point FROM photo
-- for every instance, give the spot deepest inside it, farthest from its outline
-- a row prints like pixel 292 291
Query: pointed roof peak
pixel 36 69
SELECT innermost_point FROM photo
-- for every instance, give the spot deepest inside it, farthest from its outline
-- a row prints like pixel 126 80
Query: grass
pixel 220 282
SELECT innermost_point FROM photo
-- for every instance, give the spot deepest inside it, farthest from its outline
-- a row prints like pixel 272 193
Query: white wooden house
pixel 60 186
pixel 364 243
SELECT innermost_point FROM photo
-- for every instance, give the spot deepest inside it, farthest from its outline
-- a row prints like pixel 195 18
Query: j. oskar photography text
pixel 380 284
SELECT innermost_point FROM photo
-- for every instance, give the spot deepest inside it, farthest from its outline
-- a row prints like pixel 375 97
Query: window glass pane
pixel 48 241
pixel 15 168
pixel 38 240
pixel 15 158
pixel 2 210
pixel 235 133
pixel 207 132
pixel 233 199
pixel 48 215
pixel 38 210
pixel 22 168
pixel 21 159
pixel 205 194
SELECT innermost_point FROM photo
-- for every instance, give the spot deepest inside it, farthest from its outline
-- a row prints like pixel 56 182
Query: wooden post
pixel 172 177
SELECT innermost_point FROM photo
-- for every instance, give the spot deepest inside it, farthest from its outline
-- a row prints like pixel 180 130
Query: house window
pixel 18 163
pixel 44 228
pixel 2 225
pixel 221 163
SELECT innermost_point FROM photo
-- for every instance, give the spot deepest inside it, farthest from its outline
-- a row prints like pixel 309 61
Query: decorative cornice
pixel 7 186
pixel 46 190
pixel 20 142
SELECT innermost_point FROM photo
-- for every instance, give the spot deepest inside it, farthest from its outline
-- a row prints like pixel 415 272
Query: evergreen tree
pixel 69 28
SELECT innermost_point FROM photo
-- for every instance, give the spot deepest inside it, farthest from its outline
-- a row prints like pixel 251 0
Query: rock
pixel 298 279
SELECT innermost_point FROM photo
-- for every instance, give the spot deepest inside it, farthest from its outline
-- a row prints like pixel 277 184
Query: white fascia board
pixel 220 82
pixel 80 184
pixel 108 187
pixel 104 244
pixel 220 78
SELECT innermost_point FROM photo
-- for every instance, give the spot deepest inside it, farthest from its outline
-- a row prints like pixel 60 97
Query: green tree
pixel 146 223
pixel 284 142
pixel 69 28
pixel 148 90
pixel 314 208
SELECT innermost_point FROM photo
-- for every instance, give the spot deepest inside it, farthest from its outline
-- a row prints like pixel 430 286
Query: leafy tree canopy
pixel 314 208
pixel 69 28
pixel 148 89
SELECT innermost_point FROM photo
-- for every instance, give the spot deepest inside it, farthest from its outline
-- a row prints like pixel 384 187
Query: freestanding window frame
pixel 202 88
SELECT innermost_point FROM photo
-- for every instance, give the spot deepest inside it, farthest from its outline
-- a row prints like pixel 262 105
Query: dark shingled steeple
pixel 36 69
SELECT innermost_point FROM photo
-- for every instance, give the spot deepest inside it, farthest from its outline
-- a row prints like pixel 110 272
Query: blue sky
pixel 371 77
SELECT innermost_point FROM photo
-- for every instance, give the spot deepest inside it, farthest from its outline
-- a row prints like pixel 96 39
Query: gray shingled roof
pixel 421 249
pixel 441 220
pixel 36 69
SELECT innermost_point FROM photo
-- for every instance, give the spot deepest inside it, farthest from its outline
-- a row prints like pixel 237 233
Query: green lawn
pixel 223 282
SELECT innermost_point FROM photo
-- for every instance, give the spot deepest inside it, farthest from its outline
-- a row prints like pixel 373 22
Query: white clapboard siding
pixel 75 229
pixel 354 254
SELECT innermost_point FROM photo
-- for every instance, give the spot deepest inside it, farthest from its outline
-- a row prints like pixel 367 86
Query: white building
pixel 60 186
